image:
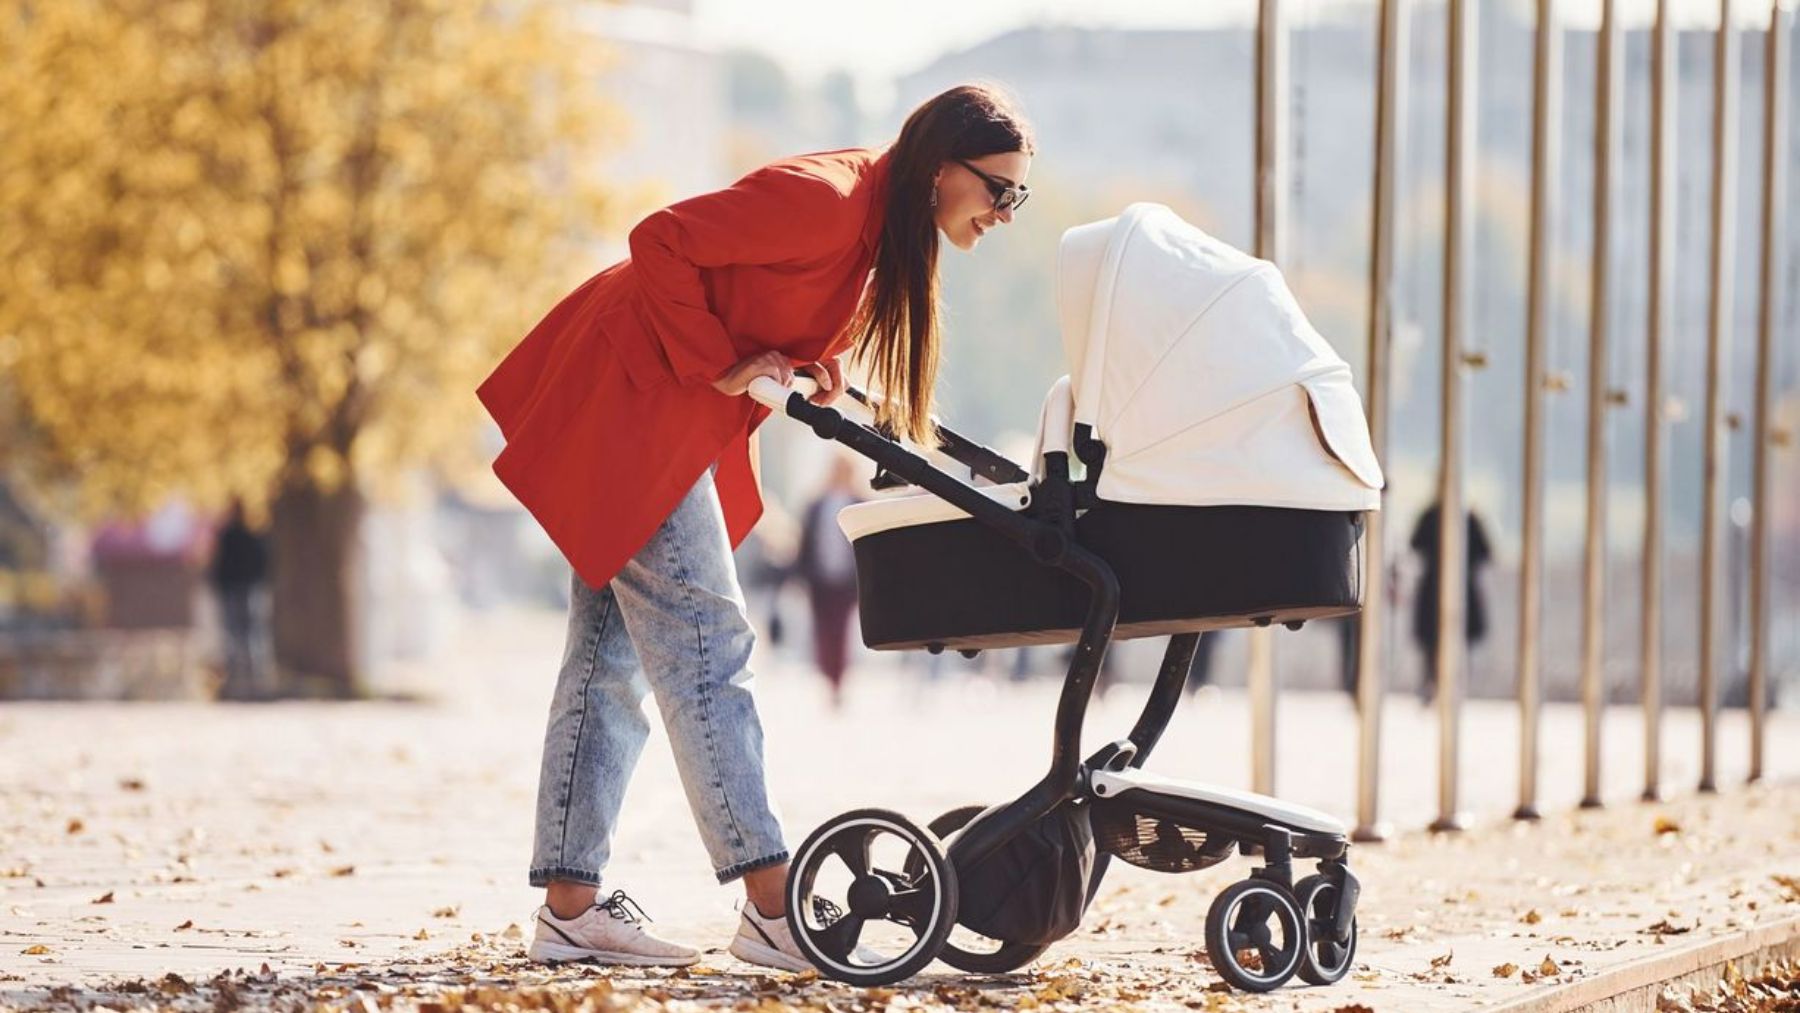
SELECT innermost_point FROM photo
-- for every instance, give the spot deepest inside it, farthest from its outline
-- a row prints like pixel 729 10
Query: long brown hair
pixel 896 325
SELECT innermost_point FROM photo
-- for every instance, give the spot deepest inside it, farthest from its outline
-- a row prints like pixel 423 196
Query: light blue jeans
pixel 672 622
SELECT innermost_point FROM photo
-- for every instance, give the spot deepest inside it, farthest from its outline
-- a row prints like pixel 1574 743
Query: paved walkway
pixel 384 844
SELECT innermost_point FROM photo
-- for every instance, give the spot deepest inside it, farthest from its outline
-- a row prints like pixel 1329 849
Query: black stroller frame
pixel 1315 915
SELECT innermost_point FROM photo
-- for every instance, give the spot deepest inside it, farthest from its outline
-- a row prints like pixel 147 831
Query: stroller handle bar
pixel 858 407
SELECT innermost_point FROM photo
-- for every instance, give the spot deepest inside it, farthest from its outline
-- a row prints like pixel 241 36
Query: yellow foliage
pixel 249 242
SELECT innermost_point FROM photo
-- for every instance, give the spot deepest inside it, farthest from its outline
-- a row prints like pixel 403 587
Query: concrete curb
pixel 1635 986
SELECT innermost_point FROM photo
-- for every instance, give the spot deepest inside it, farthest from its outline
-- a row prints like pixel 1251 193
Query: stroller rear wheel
pixel 1254 935
pixel 871 897
pixel 1326 960
pixel 1000 956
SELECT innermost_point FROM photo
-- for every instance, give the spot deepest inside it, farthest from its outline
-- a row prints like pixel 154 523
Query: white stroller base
pixel 1113 783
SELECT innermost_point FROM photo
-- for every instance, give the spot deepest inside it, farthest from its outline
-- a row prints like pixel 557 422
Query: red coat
pixel 607 405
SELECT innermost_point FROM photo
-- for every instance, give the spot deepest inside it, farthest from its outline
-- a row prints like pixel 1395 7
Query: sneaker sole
pixel 558 953
pixel 752 952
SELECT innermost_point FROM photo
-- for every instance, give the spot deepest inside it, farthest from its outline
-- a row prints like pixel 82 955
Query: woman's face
pixel 965 205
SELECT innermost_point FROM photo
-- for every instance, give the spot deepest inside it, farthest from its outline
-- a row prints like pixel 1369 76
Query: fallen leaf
pixel 1548 967
pixel 447 912
pixel 1790 887
pixel 1665 825
pixel 185 925
pixel 35 950
pixel 344 870
pixel 105 898
pixel 422 934
pixel 1506 970
pixel 76 826
pixel 1443 961
pixel 1665 928
pixel 1532 917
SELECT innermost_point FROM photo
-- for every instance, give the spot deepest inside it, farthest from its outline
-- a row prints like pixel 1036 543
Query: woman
pixel 628 438
pixel 827 567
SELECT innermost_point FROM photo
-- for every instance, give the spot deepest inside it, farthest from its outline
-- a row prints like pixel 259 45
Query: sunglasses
pixel 1007 196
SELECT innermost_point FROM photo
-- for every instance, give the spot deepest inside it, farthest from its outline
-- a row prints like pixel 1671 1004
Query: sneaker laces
pixel 623 908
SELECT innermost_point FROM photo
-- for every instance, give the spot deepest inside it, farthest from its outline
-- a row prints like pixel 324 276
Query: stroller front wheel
pixel 1254 935
pixel 1326 960
pixel 871 897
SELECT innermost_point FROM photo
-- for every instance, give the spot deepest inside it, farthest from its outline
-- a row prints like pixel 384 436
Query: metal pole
pixel 1718 340
pixel 1371 672
pixel 1663 81
pixel 1775 78
pixel 1452 519
pixel 1610 79
pixel 1545 171
pixel 1271 186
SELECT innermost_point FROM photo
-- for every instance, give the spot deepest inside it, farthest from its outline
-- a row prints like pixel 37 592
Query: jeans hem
pixel 543 874
pixel 730 873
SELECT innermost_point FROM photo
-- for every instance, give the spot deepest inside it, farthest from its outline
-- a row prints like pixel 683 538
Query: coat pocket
pixel 634 347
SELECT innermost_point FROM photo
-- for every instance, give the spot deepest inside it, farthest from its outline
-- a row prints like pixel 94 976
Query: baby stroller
pixel 1205 465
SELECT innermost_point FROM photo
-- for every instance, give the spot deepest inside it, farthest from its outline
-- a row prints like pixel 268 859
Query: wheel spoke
pixel 1272 958
pixel 1238 941
pixel 1330 954
pixel 853 849
pixel 838 939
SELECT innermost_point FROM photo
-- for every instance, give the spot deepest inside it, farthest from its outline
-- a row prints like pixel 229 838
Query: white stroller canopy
pixel 1192 361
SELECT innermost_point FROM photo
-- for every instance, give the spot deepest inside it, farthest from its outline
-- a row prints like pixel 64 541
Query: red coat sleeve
pixel 777 214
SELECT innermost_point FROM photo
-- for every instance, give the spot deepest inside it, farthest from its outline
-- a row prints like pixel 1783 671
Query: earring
pixel 934 196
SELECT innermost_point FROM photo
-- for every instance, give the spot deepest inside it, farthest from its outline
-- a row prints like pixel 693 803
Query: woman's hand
pixel 830 375
pixel 772 364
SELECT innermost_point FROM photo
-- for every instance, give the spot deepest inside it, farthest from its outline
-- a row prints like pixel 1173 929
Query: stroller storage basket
pixel 1154 842
pixel 961 584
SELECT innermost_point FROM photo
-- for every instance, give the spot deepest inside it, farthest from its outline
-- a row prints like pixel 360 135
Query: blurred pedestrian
pixel 826 564
pixel 765 564
pixel 239 570
pixel 1425 597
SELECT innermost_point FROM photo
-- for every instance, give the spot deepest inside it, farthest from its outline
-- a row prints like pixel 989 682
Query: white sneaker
pixel 609 932
pixel 767 941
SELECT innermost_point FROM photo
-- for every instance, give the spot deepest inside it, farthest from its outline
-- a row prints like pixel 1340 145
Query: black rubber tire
pixel 1010 956
pixel 805 867
pixel 1224 956
pixel 1324 962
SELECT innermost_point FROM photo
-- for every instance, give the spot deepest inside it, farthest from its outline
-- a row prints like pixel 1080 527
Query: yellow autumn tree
pixel 268 248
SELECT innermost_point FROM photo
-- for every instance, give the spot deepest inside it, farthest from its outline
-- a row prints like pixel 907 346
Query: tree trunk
pixel 317 580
